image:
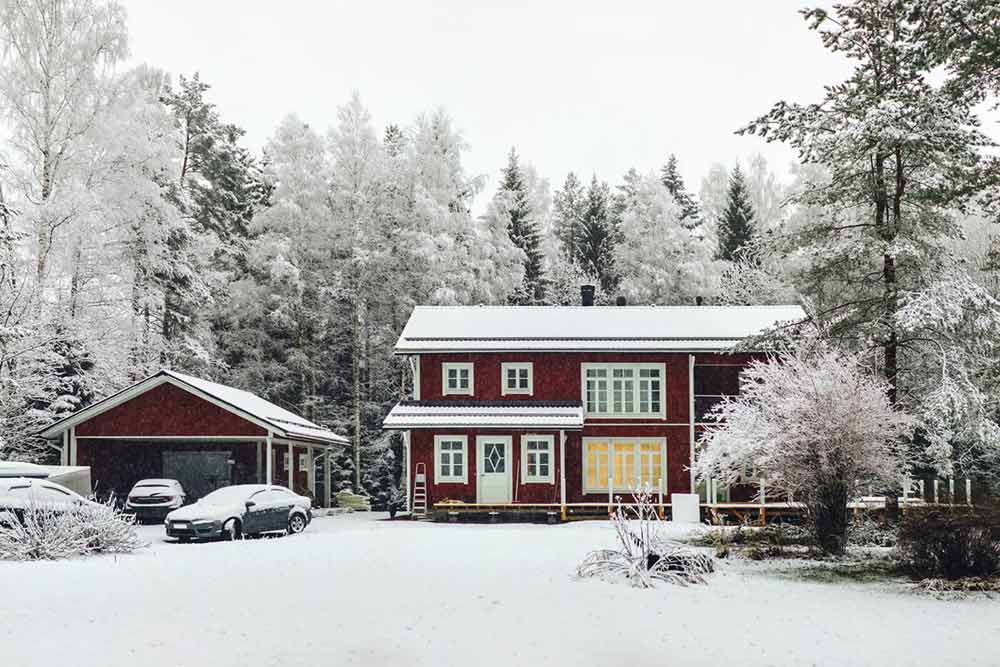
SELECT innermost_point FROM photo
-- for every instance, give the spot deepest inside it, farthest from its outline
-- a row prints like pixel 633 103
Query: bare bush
pixel 47 533
pixel 645 556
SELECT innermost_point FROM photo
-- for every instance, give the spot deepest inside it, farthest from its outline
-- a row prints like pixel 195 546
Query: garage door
pixel 199 473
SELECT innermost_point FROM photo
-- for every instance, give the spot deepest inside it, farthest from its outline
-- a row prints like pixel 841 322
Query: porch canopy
pixel 170 419
pixel 562 415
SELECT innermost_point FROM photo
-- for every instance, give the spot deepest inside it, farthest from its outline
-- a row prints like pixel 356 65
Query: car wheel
pixel 183 540
pixel 296 524
pixel 232 530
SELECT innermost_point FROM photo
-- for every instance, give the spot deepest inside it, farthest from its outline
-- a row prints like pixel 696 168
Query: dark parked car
pixel 246 509
pixel 153 499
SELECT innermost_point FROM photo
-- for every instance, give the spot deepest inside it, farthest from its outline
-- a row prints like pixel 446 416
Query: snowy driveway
pixel 355 591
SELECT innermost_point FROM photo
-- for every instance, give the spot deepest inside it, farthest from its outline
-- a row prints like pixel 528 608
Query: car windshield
pixel 152 486
pixel 229 494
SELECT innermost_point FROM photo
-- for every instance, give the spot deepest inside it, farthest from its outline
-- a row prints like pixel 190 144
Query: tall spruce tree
pixel 671 178
pixel 736 224
pixel 568 206
pixel 523 230
pixel 598 235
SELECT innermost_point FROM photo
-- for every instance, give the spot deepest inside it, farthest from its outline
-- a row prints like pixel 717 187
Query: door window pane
pixel 494 458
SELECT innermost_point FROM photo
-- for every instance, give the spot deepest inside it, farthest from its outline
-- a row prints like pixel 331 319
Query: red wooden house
pixel 557 408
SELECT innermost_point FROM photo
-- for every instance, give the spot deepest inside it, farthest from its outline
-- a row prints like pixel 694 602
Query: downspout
pixel 691 408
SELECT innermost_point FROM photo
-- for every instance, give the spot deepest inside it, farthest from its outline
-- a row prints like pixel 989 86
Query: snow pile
pixel 644 555
pixel 45 533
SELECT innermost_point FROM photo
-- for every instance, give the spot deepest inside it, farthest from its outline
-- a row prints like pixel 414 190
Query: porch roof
pixel 486 414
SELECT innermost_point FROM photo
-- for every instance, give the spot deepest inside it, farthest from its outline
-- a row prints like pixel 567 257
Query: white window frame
pixel 467 365
pixel 609 368
pixel 585 462
pixel 526 365
pixel 551 450
pixel 451 479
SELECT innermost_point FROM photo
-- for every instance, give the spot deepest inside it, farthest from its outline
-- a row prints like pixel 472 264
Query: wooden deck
pixel 716 513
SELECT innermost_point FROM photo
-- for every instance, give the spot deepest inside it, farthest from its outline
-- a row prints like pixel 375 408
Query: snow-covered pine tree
pixel 598 235
pixel 512 200
pixel 736 226
pixel 671 178
pixel 888 157
pixel 660 258
pixel 568 206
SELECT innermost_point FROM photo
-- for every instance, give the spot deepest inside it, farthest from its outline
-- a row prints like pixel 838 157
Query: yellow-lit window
pixel 631 464
pixel 650 463
pixel 624 464
pixel 597 464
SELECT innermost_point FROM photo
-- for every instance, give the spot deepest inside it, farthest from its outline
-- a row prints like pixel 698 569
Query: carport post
pixel 311 471
pixel 326 480
pixel 64 453
pixel 270 458
pixel 291 466
pixel 72 445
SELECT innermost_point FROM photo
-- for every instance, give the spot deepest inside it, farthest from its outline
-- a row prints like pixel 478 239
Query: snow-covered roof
pixel 283 422
pixel 486 414
pixel 587 328
pixel 19 469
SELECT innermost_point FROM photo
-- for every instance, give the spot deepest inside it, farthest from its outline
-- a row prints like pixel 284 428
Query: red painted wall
pixel 167 410
pixel 422 451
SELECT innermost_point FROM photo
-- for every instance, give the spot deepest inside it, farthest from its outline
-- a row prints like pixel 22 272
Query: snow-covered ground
pixel 353 590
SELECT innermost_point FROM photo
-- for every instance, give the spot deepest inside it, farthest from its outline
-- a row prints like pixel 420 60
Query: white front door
pixel 494 464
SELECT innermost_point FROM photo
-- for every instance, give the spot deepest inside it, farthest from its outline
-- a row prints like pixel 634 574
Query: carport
pixel 203 433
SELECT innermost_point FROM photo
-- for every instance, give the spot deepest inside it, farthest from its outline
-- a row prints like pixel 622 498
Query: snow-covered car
pixel 245 509
pixel 18 494
pixel 153 499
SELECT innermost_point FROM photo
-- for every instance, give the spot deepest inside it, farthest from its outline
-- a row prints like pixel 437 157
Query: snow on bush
pixel 818 426
pixel 645 556
pixel 48 533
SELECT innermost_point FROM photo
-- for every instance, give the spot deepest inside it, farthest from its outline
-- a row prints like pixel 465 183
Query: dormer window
pixel 516 379
pixel 457 379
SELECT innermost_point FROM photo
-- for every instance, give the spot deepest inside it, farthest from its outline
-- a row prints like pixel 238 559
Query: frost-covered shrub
pixel 44 533
pixel 644 555
pixel 869 532
pixel 818 425
pixel 950 542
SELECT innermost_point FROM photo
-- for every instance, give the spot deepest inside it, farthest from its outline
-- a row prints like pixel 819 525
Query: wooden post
pixel 64 451
pixel 328 479
pixel 260 463
pixel 906 489
pixel 968 491
pixel 72 446
pixel 935 491
pixel 611 496
pixel 659 485
pixel 311 472
pixel 562 475
pixel 951 490
pixel 270 458
pixel 406 470
pixel 291 467
pixel 923 495
pixel 763 502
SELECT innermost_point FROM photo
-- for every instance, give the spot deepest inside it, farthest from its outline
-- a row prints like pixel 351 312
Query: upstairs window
pixel 623 390
pixel 516 379
pixel 457 379
pixel 537 455
pixel 450 459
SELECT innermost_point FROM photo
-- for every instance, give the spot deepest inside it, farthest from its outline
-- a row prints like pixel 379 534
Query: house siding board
pixel 168 410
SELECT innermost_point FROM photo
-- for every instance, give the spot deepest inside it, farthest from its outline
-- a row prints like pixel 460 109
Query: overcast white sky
pixel 574 85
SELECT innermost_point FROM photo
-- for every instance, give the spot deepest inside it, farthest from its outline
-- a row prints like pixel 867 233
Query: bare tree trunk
pixel 356 390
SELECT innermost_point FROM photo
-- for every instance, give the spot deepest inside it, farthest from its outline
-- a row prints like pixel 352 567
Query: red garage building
pixel 204 434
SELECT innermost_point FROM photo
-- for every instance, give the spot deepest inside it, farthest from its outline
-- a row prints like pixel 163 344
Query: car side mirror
pixel 250 504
